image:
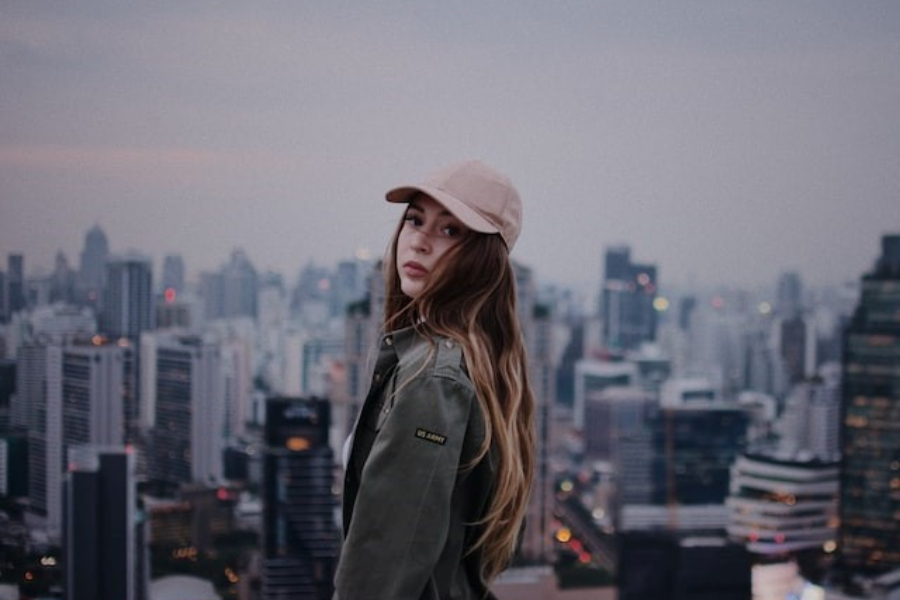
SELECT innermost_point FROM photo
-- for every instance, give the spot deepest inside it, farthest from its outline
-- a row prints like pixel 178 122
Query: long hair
pixel 471 298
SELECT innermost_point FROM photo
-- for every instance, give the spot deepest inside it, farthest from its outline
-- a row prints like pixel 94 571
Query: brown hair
pixel 471 298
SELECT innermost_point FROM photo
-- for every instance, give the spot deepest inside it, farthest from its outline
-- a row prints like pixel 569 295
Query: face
pixel 429 230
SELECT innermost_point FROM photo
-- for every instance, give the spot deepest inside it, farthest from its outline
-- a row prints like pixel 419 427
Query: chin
pixel 411 289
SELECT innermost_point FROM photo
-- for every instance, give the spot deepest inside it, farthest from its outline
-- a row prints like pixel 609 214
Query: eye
pixel 413 219
pixel 450 230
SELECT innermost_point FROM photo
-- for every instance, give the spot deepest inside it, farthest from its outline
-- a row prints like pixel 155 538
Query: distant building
pixel 231 291
pixel 301 539
pixel 869 535
pixel 92 267
pixel 810 422
pixel 188 411
pixel 101 555
pixel 15 284
pixel 692 447
pixel 173 273
pixel 592 376
pixel 783 506
pixel 665 566
pixel 128 305
pixel 627 296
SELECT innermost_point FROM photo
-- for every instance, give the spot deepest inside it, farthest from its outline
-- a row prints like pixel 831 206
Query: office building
pixel 783 506
pixel 231 291
pixel 101 553
pixel 98 391
pixel 592 376
pixel 629 290
pixel 15 284
pixel 188 412
pixel 301 539
pixel 664 566
pixel 128 306
pixel 92 267
pixel 173 274
pixel 869 535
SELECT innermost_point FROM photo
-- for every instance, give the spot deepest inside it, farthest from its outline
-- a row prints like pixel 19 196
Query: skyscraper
pixel 15 284
pixel 300 536
pixel 100 552
pixel 629 290
pixel 128 297
pixel 92 268
pixel 869 535
pixel 173 273
pixel 231 291
pixel 188 412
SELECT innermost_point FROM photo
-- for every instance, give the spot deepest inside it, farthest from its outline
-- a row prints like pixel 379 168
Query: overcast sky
pixel 726 142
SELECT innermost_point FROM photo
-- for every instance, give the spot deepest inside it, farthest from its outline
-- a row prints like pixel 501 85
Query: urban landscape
pixel 195 203
pixel 170 436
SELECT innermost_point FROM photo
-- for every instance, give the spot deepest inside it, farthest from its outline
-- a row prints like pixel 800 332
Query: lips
pixel 413 269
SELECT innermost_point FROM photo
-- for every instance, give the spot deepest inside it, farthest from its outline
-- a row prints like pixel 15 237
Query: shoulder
pixel 436 358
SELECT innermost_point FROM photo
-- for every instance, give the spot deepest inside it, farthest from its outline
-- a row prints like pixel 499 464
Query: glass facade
pixel 869 539
pixel 301 539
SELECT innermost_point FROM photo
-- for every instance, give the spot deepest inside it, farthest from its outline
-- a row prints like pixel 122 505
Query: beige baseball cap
pixel 483 199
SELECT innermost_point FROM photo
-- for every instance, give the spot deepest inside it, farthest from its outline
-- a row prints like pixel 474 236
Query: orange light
pixel 297 444
pixel 564 535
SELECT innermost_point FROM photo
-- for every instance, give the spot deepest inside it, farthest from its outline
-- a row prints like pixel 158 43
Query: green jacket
pixel 411 494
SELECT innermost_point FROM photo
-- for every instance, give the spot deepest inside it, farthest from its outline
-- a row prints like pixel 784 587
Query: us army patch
pixel 430 436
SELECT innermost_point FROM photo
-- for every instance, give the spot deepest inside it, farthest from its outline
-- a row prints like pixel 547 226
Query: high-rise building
pixel 173 273
pixel 782 506
pixel 100 543
pixel 98 384
pixel 128 307
pixel 869 535
pixel 37 410
pixel 188 409
pixel 15 284
pixel 62 282
pixel 301 539
pixel 536 322
pixel 231 291
pixel 790 295
pixel 92 268
pixel 626 305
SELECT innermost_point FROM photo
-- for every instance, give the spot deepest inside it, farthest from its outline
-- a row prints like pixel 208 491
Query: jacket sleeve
pixel 402 512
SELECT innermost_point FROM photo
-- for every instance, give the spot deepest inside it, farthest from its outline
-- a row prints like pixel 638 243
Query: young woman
pixel 442 456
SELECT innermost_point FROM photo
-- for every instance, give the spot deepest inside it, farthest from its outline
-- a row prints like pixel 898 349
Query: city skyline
pixel 723 143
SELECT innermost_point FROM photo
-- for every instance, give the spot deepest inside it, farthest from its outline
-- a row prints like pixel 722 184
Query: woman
pixel 442 455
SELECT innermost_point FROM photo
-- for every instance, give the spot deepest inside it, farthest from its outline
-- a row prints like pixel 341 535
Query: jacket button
pixel 448 343
pixel 388 341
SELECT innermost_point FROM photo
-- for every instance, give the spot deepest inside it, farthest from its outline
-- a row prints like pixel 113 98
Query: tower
pixel 15 284
pixel 100 552
pixel 300 535
pixel 92 268
pixel 187 409
pixel 128 297
pixel 869 534
pixel 629 290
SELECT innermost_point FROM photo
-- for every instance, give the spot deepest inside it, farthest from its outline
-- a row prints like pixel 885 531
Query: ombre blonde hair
pixel 471 298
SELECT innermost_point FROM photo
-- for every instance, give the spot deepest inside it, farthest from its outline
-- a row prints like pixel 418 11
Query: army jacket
pixel 412 495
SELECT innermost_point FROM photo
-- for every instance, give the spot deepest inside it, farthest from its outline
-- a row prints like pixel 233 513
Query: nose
pixel 420 242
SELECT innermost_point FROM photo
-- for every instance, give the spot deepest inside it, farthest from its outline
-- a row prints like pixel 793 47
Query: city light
pixel 563 535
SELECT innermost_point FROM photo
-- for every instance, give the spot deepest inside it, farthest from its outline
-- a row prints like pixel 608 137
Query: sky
pixel 724 142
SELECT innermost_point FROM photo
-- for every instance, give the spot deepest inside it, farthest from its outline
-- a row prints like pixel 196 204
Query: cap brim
pixel 468 216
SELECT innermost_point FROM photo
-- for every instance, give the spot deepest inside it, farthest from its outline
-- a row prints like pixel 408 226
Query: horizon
pixel 725 144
